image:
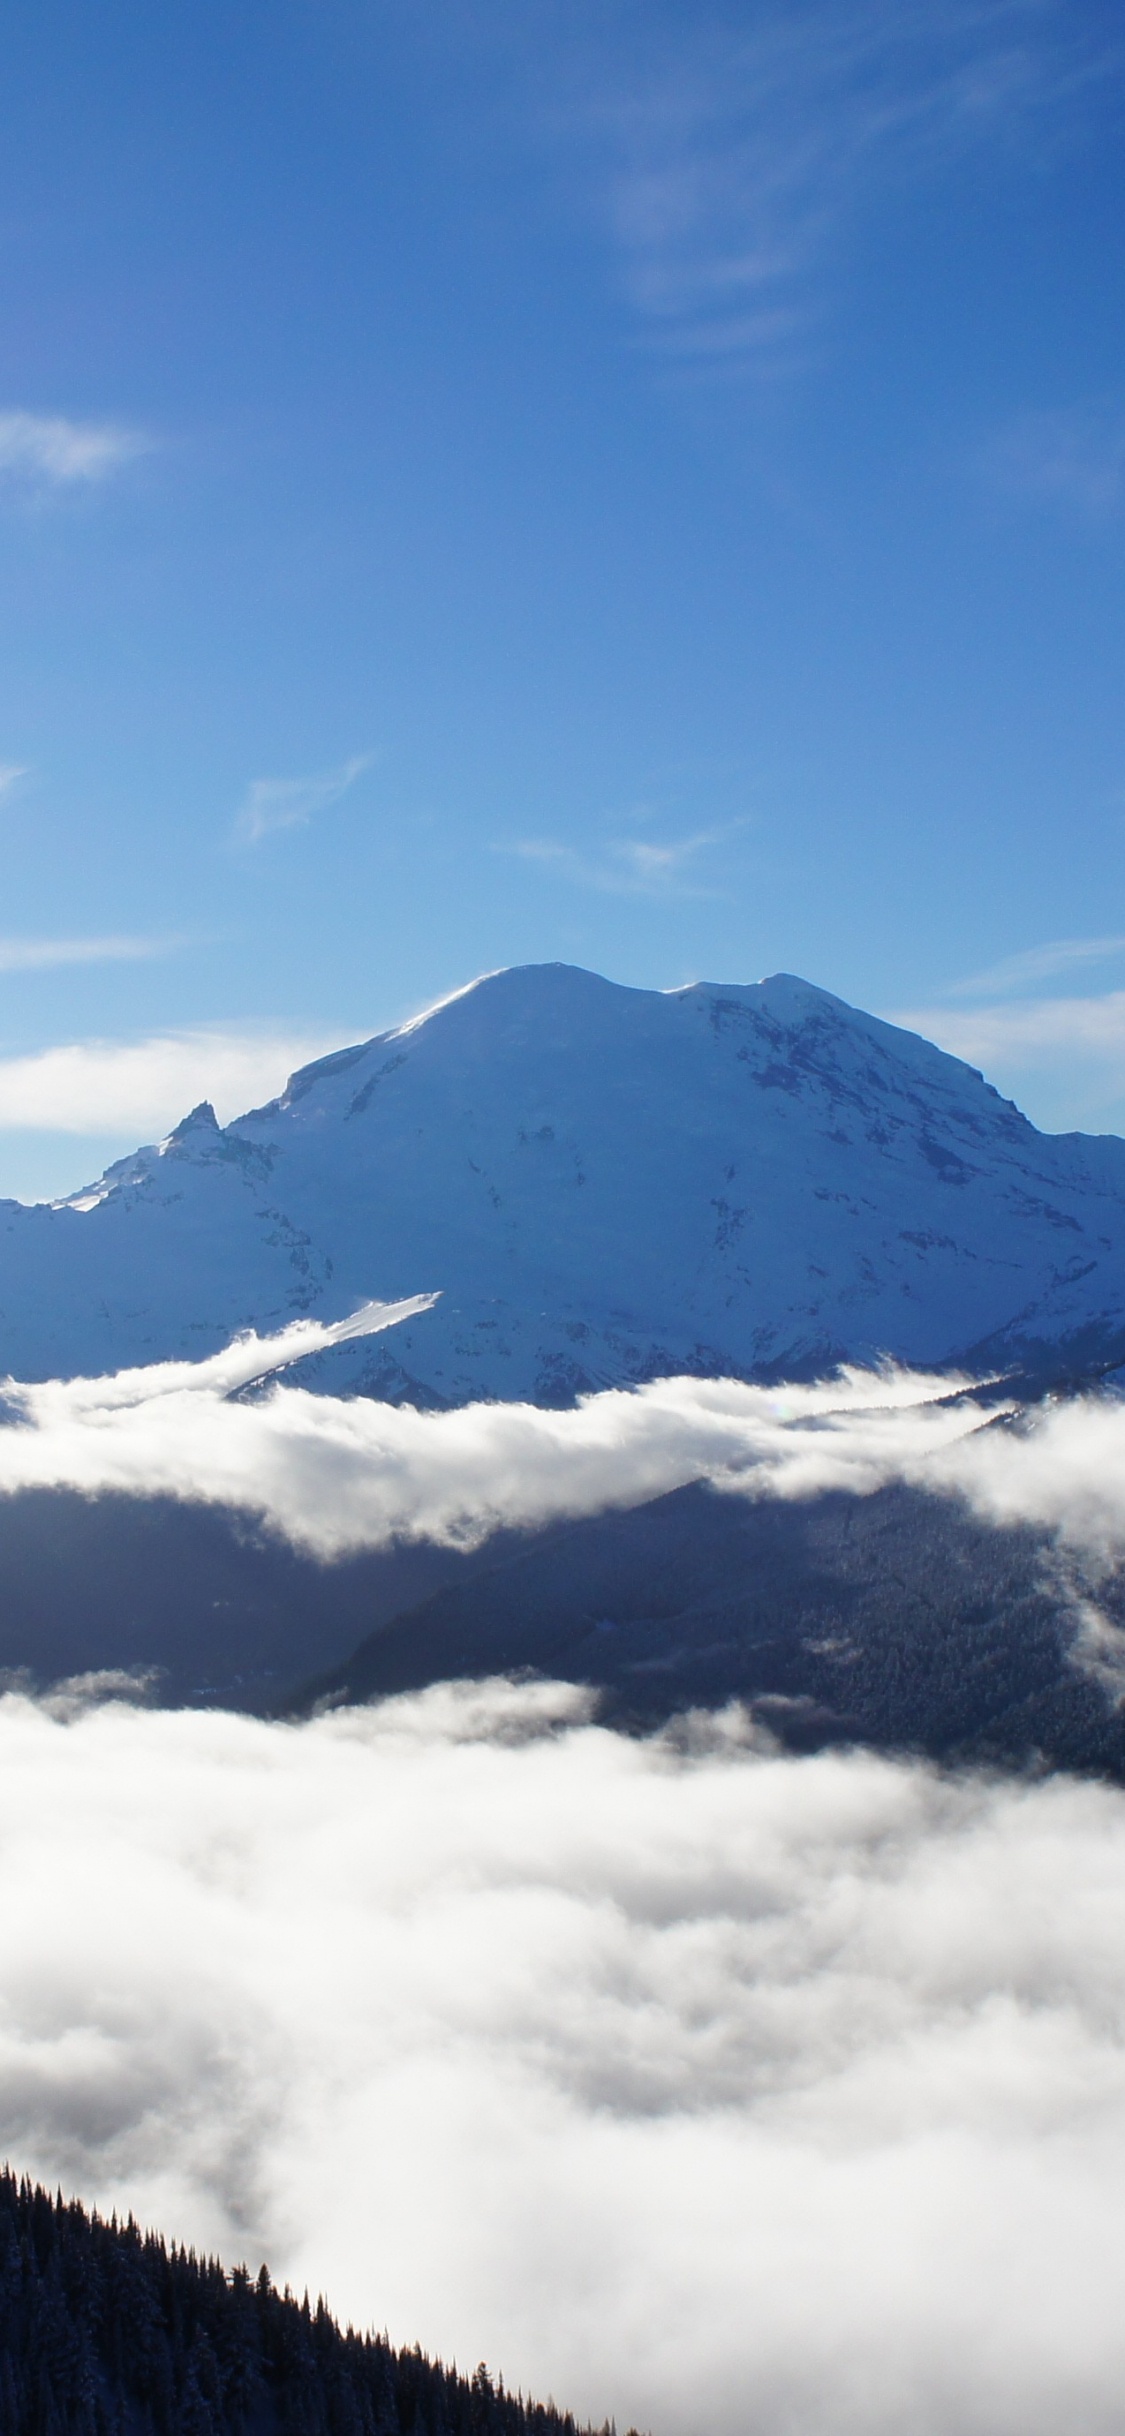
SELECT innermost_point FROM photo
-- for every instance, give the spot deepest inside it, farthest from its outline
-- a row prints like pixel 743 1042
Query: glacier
pixel 601 1185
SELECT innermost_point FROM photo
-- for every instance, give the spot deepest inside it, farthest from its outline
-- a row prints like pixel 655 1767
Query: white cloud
pixel 689 2083
pixel 52 449
pixel 333 1475
pixel 287 803
pixel 730 158
pixel 42 955
pixel 1036 964
pixel 11 773
pixel 248 1359
pixel 1029 1032
pixel 1071 458
pixel 630 866
pixel 337 1474
pixel 142 1088
pixel 1063 1058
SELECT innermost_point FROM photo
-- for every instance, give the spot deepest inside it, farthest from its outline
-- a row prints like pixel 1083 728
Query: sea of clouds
pixel 335 1474
pixel 692 2082
pixel 709 2087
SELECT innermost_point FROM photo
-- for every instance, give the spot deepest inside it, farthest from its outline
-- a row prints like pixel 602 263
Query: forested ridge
pixel 106 2331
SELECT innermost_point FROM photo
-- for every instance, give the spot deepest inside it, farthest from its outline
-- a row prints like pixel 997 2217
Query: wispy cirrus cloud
pixel 1027 1032
pixel 43 955
pixel 1032 964
pixel 697 2085
pixel 1061 1053
pixel 1071 459
pixel 729 160
pixel 56 452
pixel 628 866
pixel 288 803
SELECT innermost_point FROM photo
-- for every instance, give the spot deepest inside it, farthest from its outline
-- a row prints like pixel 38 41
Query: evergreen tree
pixel 105 2331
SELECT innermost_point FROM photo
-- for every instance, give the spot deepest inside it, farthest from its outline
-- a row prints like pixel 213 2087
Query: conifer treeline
pixel 105 2331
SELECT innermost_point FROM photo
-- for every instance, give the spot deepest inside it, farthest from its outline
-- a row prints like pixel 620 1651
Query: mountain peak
pixel 608 1184
pixel 200 1119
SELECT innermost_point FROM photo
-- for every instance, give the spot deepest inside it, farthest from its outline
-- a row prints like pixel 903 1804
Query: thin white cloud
pixel 1034 964
pixel 288 803
pixel 42 955
pixel 688 2083
pixel 11 773
pixel 142 1088
pixel 1028 1034
pixel 729 159
pixel 1070 458
pixel 629 866
pixel 53 450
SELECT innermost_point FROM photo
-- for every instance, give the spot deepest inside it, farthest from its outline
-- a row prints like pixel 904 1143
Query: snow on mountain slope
pixel 605 1184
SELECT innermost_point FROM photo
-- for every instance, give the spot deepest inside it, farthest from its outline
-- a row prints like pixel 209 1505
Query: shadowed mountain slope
pixel 895 1620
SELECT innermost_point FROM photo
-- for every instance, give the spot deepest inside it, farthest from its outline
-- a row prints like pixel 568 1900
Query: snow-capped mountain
pixel 605 1184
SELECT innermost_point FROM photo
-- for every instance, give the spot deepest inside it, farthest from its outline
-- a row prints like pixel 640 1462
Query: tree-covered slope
pixel 105 2331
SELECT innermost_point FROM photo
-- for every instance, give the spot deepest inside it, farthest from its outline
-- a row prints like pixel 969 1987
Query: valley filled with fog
pixel 703 2085
pixel 607 1863
pixel 685 2073
pixel 562 1521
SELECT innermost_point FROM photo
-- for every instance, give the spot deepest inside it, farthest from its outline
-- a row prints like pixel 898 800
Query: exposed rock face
pixel 606 1184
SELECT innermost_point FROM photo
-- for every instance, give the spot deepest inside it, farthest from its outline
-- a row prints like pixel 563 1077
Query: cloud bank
pixel 690 2083
pixel 336 1474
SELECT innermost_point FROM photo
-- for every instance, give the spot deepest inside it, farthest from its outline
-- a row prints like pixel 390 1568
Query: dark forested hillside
pixel 896 1620
pixel 104 2331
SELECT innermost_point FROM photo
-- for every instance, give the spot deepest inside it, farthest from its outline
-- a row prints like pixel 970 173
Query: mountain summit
pixel 605 1184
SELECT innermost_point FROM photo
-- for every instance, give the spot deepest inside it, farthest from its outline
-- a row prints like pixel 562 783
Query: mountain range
pixel 603 1185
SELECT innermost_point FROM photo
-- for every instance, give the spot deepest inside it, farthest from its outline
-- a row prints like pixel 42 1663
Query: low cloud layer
pixel 710 2088
pixel 333 1475
pixel 337 1474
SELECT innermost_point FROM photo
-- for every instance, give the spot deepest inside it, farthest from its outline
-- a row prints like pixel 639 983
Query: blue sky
pixel 487 483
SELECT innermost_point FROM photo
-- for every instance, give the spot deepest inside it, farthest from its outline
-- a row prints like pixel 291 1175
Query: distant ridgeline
pixel 104 2331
